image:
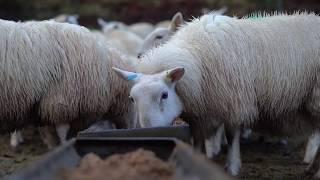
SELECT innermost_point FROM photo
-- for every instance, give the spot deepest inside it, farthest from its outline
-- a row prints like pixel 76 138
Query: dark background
pixel 130 11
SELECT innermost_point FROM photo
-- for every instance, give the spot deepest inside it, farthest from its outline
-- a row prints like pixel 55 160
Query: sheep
pixel 72 19
pixel 141 29
pixel 117 35
pixel 259 71
pixel 163 24
pixel 16 137
pixel 111 26
pixel 165 29
pixel 161 35
pixel 58 74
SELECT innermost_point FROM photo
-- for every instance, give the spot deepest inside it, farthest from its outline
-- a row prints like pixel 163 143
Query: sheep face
pixel 154 39
pixel 161 35
pixel 154 97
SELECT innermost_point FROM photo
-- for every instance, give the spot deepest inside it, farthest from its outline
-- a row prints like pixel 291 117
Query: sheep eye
pixel 164 95
pixel 131 99
pixel 158 37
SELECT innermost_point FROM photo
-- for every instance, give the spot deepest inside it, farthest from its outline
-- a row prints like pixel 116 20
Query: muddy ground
pixel 266 159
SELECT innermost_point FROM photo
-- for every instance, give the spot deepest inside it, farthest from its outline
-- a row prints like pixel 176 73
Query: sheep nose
pixel 139 55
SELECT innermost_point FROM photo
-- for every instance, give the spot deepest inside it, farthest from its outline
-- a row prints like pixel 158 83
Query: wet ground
pixel 270 159
pixel 30 150
pixel 267 159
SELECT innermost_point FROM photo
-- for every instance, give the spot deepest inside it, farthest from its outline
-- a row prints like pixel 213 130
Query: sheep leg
pixel 14 139
pixel 62 131
pixel 20 137
pixel 214 143
pixel 314 109
pixel 312 148
pixel 48 137
pixel 315 166
pixel 233 163
pixel 246 133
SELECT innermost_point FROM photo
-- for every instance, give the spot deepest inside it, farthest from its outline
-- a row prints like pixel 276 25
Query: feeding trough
pixel 180 132
pixel 188 164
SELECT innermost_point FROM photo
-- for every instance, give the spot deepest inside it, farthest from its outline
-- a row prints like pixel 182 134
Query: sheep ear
pixel 102 22
pixel 176 21
pixel 174 75
pixel 127 75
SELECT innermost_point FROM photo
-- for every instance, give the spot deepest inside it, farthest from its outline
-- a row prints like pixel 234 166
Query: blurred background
pixel 130 11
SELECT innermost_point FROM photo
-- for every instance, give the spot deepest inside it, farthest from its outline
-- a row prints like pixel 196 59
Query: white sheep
pixel 16 137
pixel 251 72
pixel 161 35
pixel 71 18
pixel 141 29
pixel 163 24
pixel 121 38
pixel 58 74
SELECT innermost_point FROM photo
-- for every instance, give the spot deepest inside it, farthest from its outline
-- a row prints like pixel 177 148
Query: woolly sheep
pixel 163 24
pixel 120 38
pixel 240 72
pixel 16 137
pixel 161 35
pixel 72 19
pixel 141 29
pixel 111 26
pixel 62 75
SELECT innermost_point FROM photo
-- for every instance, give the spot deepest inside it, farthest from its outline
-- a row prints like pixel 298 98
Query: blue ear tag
pixel 132 77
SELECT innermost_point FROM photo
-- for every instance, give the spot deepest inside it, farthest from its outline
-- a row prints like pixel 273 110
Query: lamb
pixel 62 75
pixel 252 72
pixel 126 41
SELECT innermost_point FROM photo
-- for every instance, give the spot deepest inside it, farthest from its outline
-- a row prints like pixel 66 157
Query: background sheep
pixel 161 35
pixel 142 29
pixel 238 74
pixel 62 76
pixel 121 38
pixel 72 19
pixel 107 27
pixel 163 24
